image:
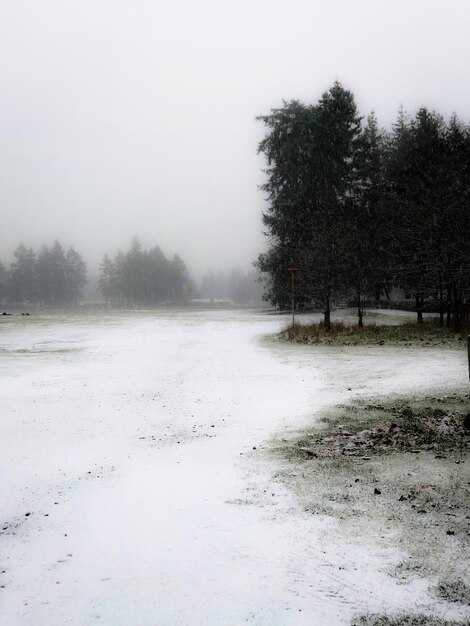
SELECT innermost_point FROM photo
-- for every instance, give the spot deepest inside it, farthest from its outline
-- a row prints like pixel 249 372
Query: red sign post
pixel 293 269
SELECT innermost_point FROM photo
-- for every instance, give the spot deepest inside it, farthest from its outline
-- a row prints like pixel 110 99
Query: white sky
pixel 122 118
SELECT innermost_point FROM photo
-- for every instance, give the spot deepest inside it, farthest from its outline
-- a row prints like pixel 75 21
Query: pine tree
pixel 21 284
pixel 44 276
pixel 367 229
pixel 313 172
pixel 3 282
pixel 106 277
pixel 418 183
pixel 75 276
pixel 454 224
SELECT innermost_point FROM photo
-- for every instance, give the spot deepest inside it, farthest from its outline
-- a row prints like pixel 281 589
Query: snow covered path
pixel 130 491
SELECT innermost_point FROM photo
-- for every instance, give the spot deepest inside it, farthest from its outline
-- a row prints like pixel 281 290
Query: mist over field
pixel 138 119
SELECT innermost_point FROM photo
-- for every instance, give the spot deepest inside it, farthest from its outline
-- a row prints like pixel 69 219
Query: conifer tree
pixel 75 276
pixel 313 172
pixel 21 287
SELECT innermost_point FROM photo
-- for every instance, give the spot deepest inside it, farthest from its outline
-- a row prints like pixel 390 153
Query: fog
pixel 122 119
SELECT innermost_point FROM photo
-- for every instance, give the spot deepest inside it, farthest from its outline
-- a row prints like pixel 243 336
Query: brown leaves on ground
pixel 411 430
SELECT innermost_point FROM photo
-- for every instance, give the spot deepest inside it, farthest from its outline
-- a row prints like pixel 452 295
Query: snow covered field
pixel 130 489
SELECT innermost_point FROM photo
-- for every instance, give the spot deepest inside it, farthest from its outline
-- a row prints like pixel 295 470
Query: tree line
pixel 242 288
pixel 56 277
pixel 50 277
pixel 361 210
pixel 144 277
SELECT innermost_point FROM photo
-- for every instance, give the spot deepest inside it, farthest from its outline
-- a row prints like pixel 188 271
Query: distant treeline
pixel 50 277
pixel 240 287
pixel 360 210
pixel 138 277
pixel 55 277
pixel 144 277
pixel 147 277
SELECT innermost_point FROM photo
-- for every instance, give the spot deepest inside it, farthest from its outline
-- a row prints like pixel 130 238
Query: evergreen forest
pixel 144 277
pixel 49 277
pixel 364 212
pixel 53 277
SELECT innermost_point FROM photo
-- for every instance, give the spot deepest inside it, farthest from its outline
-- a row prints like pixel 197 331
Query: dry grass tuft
pixel 408 333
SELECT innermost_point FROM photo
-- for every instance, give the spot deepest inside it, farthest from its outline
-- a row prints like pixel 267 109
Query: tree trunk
pixel 457 310
pixel 327 313
pixel 449 308
pixel 441 305
pixel 359 307
pixel 419 309
pixel 377 291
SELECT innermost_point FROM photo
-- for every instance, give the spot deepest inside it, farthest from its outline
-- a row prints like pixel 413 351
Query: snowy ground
pixel 130 490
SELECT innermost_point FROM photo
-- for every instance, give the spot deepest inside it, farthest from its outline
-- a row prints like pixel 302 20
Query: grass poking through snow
pixel 401 620
pixel 429 333
pixel 397 472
